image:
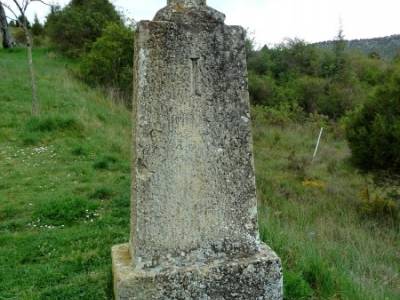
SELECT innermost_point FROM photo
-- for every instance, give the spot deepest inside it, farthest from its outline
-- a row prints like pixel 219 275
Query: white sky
pixel 271 21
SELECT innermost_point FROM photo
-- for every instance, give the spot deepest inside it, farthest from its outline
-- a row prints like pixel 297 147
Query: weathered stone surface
pixel 194 208
pixel 257 277
pixel 194 187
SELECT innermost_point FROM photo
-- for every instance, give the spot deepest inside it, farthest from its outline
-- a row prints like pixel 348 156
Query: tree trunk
pixel 8 41
pixel 35 101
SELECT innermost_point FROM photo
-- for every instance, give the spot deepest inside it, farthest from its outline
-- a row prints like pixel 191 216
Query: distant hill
pixel 386 47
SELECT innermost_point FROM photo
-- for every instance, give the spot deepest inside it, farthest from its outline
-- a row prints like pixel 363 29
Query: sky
pixel 272 21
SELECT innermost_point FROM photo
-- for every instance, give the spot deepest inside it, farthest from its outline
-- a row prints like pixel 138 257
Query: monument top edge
pixel 188 11
pixel 187 3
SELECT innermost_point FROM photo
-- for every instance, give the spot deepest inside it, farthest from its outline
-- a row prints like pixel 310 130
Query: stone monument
pixel 194 228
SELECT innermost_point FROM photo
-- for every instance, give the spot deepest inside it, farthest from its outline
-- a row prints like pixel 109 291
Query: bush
pixel 373 132
pixel 37 28
pixel 263 90
pixel 281 115
pixel 19 36
pixel 376 204
pixel 110 60
pixel 309 93
pixel 73 29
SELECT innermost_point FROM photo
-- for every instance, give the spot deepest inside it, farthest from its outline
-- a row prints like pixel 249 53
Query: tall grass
pixel 60 211
pixel 65 188
pixel 311 215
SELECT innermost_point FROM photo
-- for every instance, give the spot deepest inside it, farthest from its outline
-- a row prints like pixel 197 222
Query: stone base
pixel 258 277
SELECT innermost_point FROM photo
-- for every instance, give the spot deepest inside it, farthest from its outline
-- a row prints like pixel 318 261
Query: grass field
pixel 65 189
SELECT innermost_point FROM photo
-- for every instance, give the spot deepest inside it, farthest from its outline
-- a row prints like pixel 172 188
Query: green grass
pixel 64 183
pixel 310 215
pixel 65 188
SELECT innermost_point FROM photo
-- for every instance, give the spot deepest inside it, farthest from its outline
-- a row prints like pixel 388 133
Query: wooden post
pixel 318 142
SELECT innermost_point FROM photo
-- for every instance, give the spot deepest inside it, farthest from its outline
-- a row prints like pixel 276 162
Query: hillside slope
pixel 65 186
pixel 387 47
pixel 64 183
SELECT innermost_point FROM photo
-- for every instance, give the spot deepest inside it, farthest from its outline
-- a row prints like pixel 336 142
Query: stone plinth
pixel 254 277
pixel 194 228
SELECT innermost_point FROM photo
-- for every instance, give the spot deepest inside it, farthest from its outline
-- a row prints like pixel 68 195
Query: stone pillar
pixel 194 228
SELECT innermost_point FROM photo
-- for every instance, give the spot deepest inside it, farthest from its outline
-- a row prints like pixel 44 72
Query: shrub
pixel 19 36
pixel 373 132
pixel 263 90
pixel 37 27
pixel 309 93
pixel 73 29
pixel 281 115
pixel 259 62
pixel 298 164
pixel 340 98
pixel 378 205
pixel 110 60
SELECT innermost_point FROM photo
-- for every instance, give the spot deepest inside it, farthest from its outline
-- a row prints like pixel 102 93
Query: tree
pixel 110 60
pixel 18 10
pixel 373 131
pixel 77 26
pixel 37 27
pixel 8 41
pixel 340 54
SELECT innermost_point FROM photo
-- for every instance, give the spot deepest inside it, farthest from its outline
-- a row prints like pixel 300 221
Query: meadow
pixel 65 195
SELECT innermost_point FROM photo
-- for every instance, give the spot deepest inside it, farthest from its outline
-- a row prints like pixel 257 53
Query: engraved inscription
pixel 195 76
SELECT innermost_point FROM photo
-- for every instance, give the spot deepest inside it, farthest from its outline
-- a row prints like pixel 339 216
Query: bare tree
pixel 8 41
pixel 19 7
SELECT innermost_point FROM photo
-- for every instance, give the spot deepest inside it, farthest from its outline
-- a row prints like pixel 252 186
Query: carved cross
pixel 195 76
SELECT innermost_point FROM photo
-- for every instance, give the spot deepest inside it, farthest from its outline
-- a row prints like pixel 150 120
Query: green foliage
pixel 384 47
pixel 21 20
pixel 282 115
pixel 63 211
pixel 19 36
pixel 45 260
pixel 79 150
pixel 105 163
pixel 373 131
pixel 36 129
pixel 259 62
pixel 329 82
pixel 102 193
pixel 315 228
pixel 73 29
pixel 310 93
pixel 37 27
pixel 110 60
pixel 296 287
pixel 263 90
pixel 311 214
pixel 50 123
pixel 377 204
